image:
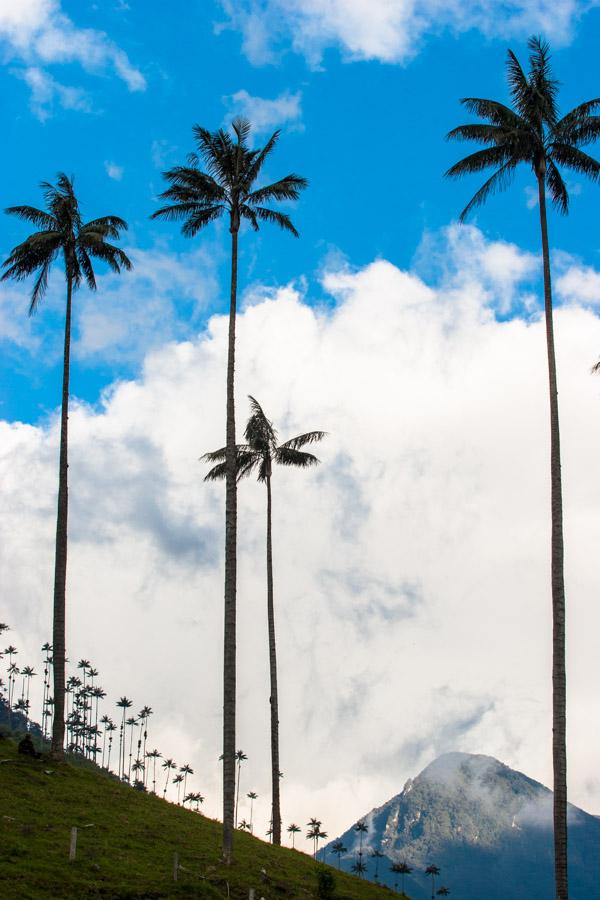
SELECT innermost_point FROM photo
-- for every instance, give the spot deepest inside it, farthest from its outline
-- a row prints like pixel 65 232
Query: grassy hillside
pixel 127 841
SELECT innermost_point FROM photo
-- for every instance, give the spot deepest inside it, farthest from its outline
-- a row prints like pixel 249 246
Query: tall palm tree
pixel 62 232
pixel 196 198
pixel 401 869
pixel 153 755
pixel 168 764
pixel 432 871
pixel 293 830
pixel 240 757
pixel 252 796
pixel 376 855
pixel 531 131
pixel 123 703
pixel 260 452
pixel 361 828
pixel 339 849
pixel 359 867
pixel 443 892
pixel 185 770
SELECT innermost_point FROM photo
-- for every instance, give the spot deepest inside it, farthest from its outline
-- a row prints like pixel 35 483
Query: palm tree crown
pixel 261 449
pixel 531 131
pixel 62 231
pixel 197 197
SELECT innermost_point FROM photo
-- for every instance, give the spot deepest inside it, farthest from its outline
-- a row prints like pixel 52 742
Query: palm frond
pixel 37 217
pixel 286 456
pixel 287 188
pixel 39 288
pixel 108 226
pixel 577 116
pixel 86 266
pixel 558 189
pixel 246 212
pixel 310 437
pixel 485 133
pixel 275 217
pixel 496 113
pixel 499 181
pixel 114 257
pixel 519 86
pixel 258 161
pixel 481 159
pixel 576 159
pixel 242 128
pixel 543 86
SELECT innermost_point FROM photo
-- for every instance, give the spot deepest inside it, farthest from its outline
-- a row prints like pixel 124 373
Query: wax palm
pixel 401 869
pixel 358 867
pixel 293 830
pixel 62 232
pixel 240 757
pixel 443 892
pixel 432 871
pixel 376 855
pixel 532 132
pixel 361 828
pixel 338 848
pixel 252 796
pixel 196 198
pixel 258 455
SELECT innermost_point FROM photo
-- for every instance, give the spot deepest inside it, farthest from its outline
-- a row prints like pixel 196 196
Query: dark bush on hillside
pixel 325 884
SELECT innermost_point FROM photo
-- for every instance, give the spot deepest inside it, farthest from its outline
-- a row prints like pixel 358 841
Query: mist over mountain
pixel 487 827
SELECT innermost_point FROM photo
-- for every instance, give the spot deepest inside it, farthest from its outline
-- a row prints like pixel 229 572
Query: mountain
pixel 486 827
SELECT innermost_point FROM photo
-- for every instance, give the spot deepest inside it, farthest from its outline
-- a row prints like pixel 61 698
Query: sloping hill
pixel 487 827
pixel 127 841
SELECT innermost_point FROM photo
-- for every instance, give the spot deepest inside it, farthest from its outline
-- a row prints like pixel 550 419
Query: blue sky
pixel 367 132
pixel 420 545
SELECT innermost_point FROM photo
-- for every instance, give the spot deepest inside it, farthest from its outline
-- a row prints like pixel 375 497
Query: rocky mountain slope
pixel 486 827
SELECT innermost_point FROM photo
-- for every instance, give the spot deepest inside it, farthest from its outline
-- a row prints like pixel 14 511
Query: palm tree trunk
pixel 60 562
pixel 559 687
pixel 273 672
pixel 229 638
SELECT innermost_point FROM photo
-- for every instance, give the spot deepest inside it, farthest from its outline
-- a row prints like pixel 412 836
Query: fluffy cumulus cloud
pixel 38 33
pixel 411 566
pixel 266 114
pixel 388 30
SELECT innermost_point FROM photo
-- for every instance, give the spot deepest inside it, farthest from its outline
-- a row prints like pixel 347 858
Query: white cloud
pixel 412 567
pixel 46 90
pixel 38 33
pixel 113 170
pixel 391 31
pixel 579 284
pixel 264 114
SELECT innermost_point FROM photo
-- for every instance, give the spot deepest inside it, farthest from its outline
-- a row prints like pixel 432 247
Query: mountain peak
pixel 469 814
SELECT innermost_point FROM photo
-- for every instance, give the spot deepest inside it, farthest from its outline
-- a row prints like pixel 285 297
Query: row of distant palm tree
pixel 196 198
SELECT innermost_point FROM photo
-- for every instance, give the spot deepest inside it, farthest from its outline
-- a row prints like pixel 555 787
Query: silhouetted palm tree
pixel 240 758
pixel 168 764
pixel 153 755
pixel 432 871
pixel 531 132
pixel 196 198
pixel 260 452
pixel 443 892
pixel 293 830
pixel 123 703
pixel 376 855
pixel 62 232
pixel 361 828
pixel 338 848
pixel 185 770
pixel 401 869
pixel 251 797
pixel 358 867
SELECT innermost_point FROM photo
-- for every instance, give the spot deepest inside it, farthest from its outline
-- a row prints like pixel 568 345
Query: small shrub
pixel 325 884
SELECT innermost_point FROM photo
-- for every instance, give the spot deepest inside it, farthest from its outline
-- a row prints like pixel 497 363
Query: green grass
pixel 127 841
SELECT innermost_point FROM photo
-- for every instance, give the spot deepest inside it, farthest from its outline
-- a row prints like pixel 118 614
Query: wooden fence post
pixel 73 845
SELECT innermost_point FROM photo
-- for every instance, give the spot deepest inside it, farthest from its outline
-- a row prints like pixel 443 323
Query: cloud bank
pixel 37 33
pixel 391 31
pixel 411 568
